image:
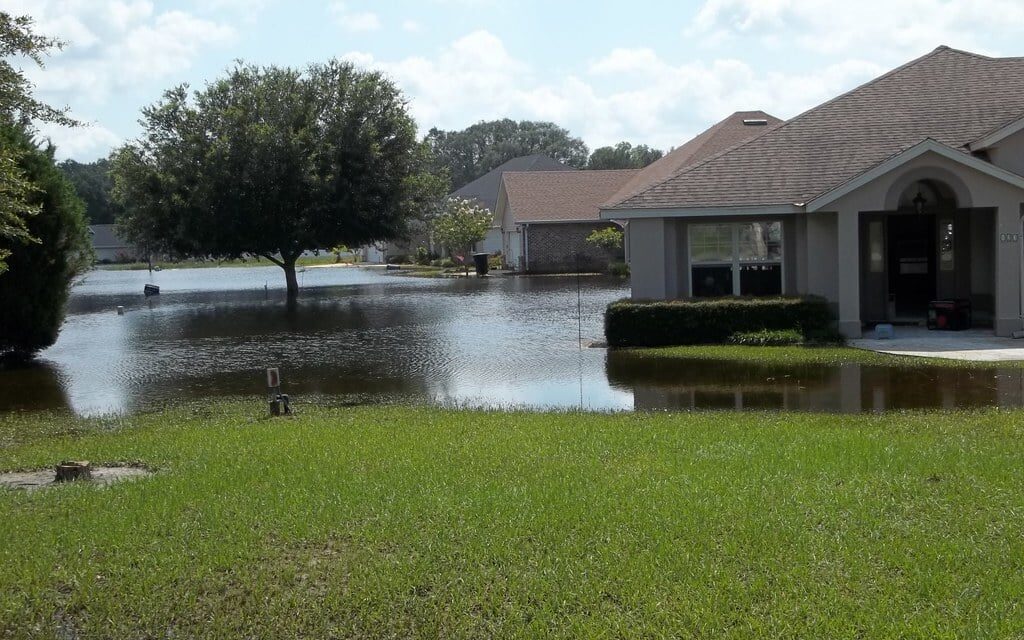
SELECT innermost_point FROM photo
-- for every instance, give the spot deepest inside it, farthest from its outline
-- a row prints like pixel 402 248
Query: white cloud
pixel 629 94
pixel 82 143
pixel 411 26
pixel 115 44
pixel 865 29
pixel 354 20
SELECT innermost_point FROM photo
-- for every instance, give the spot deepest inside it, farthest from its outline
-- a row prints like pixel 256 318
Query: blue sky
pixel 653 72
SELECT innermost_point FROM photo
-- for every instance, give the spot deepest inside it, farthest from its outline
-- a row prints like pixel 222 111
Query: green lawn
pixel 802 355
pixel 420 522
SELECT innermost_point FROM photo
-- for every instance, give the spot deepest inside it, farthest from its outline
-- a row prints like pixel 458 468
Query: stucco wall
pixel 647 258
pixel 562 247
pixel 1009 153
pixel 820 247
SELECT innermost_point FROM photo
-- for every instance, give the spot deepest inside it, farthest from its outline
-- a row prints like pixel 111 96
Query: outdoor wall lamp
pixel 919 202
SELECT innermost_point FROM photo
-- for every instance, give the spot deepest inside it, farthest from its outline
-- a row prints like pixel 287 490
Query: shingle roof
pixel 485 188
pixel 561 195
pixel 104 237
pixel 952 96
pixel 739 127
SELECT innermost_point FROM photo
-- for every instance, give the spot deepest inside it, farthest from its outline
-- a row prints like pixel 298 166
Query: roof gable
pixel 952 96
pixel 725 134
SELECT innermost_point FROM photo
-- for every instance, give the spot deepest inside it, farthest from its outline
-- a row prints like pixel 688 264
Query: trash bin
pixel 949 315
pixel 480 260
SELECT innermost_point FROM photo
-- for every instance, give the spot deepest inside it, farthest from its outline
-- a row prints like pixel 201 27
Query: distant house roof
pixel 104 237
pixel 561 196
pixel 739 127
pixel 954 97
pixel 485 188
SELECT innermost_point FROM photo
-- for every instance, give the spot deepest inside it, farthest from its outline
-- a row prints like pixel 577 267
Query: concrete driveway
pixel 974 344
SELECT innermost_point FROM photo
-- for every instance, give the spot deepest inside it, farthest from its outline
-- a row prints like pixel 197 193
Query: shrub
pixel 619 269
pixel 422 256
pixel 767 337
pixel 630 323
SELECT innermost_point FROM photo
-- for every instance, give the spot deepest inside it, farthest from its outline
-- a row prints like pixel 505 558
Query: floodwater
pixel 364 336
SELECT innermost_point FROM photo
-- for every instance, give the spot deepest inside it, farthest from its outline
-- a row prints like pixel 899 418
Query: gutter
pixel 1020 281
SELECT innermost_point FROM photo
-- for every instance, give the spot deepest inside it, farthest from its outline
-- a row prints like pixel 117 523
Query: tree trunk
pixel 291 280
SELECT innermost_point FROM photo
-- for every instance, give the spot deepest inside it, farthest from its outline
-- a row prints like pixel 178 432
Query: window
pixel 736 259
pixel 946 255
pixel 711 243
pixel 876 247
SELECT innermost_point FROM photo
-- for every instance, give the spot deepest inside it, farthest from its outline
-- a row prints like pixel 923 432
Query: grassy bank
pixel 417 522
pixel 798 355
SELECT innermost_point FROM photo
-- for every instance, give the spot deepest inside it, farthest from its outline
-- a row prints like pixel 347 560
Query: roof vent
pixel 755 122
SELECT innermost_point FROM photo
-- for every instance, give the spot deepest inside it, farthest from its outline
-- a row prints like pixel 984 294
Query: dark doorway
pixel 911 264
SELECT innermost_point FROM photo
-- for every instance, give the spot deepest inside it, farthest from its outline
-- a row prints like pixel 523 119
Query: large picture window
pixel 743 259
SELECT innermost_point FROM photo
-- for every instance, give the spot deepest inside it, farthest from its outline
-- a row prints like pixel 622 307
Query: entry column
pixel 848 255
pixel 1008 268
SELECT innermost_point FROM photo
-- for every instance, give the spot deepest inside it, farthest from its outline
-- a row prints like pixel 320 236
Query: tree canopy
pixel 608 238
pixel 35 289
pixel 18 108
pixel 472 152
pixel 623 156
pixel 274 161
pixel 94 185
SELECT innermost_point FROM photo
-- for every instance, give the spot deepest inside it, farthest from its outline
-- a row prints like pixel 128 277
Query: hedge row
pixel 629 323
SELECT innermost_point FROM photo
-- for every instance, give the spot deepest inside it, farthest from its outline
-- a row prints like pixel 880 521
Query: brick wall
pixel 553 247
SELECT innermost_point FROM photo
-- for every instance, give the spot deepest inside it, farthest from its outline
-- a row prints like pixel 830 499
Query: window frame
pixel 736 263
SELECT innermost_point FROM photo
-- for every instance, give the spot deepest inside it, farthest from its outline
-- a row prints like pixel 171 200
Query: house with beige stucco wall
pixel 905 190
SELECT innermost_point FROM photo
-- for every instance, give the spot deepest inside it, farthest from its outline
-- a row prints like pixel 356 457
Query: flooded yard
pixel 360 335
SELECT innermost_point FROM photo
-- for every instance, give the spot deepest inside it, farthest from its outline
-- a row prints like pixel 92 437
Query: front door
pixel 911 244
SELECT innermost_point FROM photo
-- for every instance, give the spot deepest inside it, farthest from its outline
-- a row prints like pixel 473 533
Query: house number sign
pixel 1009 237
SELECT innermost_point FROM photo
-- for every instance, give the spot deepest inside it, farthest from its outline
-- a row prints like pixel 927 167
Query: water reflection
pixel 32 387
pixel 849 388
pixel 358 335
pixel 363 336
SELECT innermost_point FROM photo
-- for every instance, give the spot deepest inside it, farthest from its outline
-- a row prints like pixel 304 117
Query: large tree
pixel 472 152
pixel 35 289
pixel 275 161
pixel 623 156
pixel 94 185
pixel 18 108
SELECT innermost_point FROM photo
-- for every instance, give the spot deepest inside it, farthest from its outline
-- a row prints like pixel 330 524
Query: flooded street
pixel 360 335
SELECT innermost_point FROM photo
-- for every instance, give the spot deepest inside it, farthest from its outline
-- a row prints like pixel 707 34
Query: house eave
pixel 997 136
pixel 578 221
pixel 928 145
pixel 702 212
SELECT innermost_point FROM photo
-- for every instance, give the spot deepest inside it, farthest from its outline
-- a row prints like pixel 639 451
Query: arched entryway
pixel 929 246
